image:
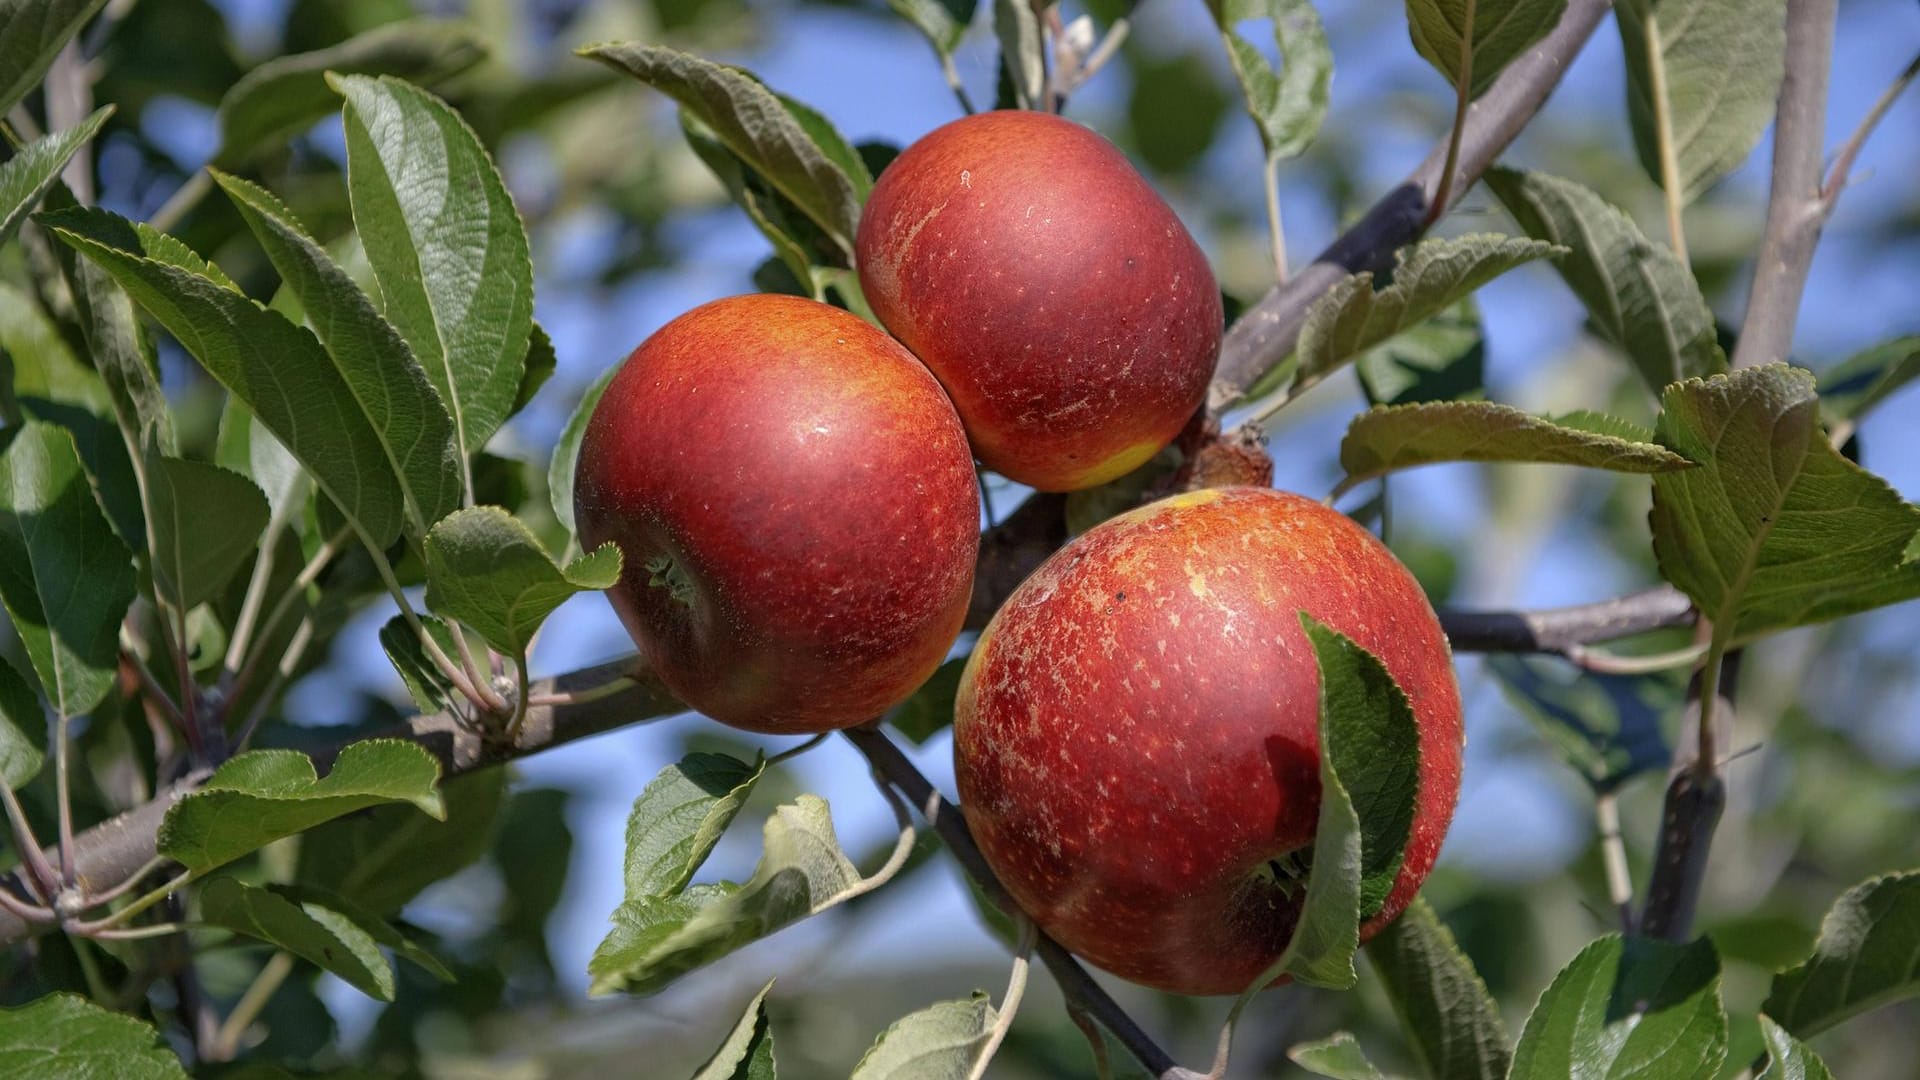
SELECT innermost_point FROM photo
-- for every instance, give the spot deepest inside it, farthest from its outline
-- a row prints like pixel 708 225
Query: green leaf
pixel 794 237
pixel 1442 359
pixel 679 817
pixel 1639 296
pixel 65 578
pixel 32 32
pixel 68 1036
pixel 1775 528
pixel 944 22
pixel 940 1042
pixel 1791 1058
pixel 747 1052
pixel 400 404
pixel 1628 1007
pixel 206 522
pixel 540 364
pixel 1021 50
pixel 26 176
pixel 23 728
pixel 1369 735
pixel 1723 60
pixel 259 797
pixel 1338 1056
pixel 1445 1010
pixel 383 857
pixel 327 938
pixel 245 446
pixel 278 369
pixel 486 569
pixel 1390 437
pixel 755 124
pixel 1429 278
pixel 930 710
pixel 1868 955
pixel 1608 727
pixel 426 684
pixel 566 452
pixel 1287 106
pixel 123 354
pixel 1852 387
pixel 446 245
pixel 288 94
pixel 802 871
pixel 1502 31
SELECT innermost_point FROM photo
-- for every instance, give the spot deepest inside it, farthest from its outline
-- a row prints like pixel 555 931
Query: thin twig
pixel 1009 1002
pixel 1602 662
pixel 149 685
pixel 1849 150
pixel 307 576
pixel 184 198
pixel 580 697
pixel 1663 136
pixel 127 883
pixel 63 798
pixel 1276 236
pixel 1463 97
pixel 45 881
pixel 226 1041
pixel 289 662
pixel 119 918
pixel 953 81
pixel 1613 855
pixel 792 752
pixel 1096 1042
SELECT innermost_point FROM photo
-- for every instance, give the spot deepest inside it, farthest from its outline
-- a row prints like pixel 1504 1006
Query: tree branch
pixel 1796 210
pixel 1079 987
pixel 1265 333
pixel 1559 630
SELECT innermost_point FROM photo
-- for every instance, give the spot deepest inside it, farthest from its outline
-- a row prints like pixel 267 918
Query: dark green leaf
pixel 206 522
pixel 1338 1056
pixel 1429 278
pixel 1369 736
pixel 383 857
pixel 1638 294
pixel 324 937
pixel 32 33
pixel 1390 437
pixel 65 578
pixel 1021 50
pixel 426 684
pixel 679 817
pixel 288 94
pixel 566 452
pixel 802 871
pixel 1607 726
pixel 747 1053
pixel 1502 30
pixel 1723 60
pixel 944 22
pixel 278 369
pixel 1849 389
pixel 1448 1016
pixel 1775 528
pixel 1868 955
pixel 65 1035
pixel 23 728
pixel 1287 106
pixel 783 224
pixel 446 245
pixel 930 710
pixel 1442 359
pixel 486 569
pixel 537 368
pixel 1628 1007
pixel 26 176
pixel 261 796
pixel 940 1042
pixel 1791 1059
pixel 755 124
pixel 402 407
pixel 122 352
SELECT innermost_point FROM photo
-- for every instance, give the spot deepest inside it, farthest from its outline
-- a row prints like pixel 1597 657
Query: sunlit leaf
pixel 1337 1056
pixel 1502 30
pixel 1021 50
pixel 940 1042
pixel 566 452
pixel 747 1052
pixel 486 569
pixel 1863 960
pixel 66 1035
pixel 1627 1007
pixel 27 175
pixel 1287 106
pixel 680 816
pixel 1390 437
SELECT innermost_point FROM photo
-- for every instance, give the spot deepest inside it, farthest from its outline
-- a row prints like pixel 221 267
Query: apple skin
pixel 813 490
pixel 1056 296
pixel 1136 734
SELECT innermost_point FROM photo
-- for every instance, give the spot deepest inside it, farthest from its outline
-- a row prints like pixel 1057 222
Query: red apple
pixel 1051 289
pixel 1136 737
pixel 797 508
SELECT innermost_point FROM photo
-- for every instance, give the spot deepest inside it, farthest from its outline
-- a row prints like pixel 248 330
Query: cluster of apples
pixel 1136 733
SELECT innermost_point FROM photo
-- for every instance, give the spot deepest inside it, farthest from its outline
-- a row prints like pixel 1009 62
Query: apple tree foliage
pixel 208 474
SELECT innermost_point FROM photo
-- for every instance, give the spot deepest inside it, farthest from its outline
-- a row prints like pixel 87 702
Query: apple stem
pixel 1463 99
